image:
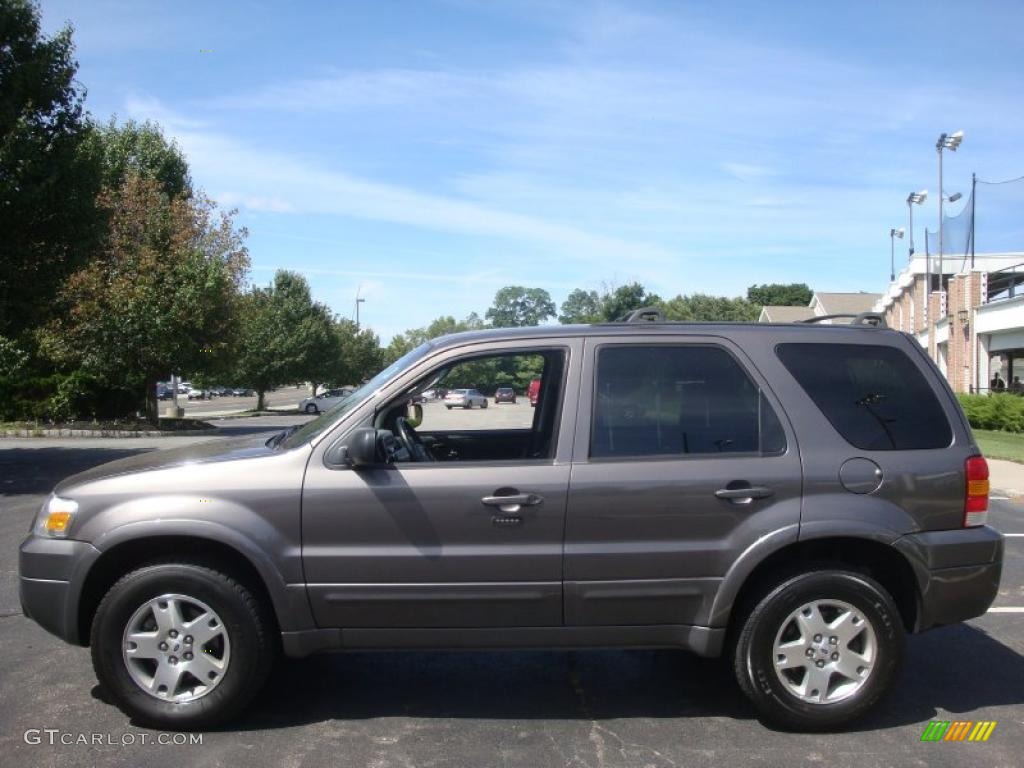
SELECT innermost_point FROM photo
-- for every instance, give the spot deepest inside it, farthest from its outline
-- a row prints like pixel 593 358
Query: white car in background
pixel 464 398
pixel 324 401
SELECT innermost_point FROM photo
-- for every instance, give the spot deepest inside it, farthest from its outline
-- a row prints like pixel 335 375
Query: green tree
pixel 515 306
pixel 581 306
pixel 780 294
pixel 702 307
pixel 48 217
pixel 325 350
pixel 360 354
pixel 160 295
pixel 618 302
pixel 139 148
pixel 282 333
pixel 442 326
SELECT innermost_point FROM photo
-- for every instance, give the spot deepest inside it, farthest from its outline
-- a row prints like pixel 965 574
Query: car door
pixel 435 544
pixel 683 459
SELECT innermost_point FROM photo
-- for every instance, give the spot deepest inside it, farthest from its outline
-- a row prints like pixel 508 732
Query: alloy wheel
pixel 176 648
pixel 825 651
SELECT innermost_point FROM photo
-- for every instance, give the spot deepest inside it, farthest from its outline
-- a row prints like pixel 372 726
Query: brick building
pixel 973 328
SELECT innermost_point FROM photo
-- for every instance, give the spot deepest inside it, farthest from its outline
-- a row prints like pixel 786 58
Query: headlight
pixel 55 517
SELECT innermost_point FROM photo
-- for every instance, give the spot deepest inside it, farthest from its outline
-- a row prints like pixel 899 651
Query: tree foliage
pixel 780 295
pixel 582 306
pixel 701 307
pixel 515 306
pixel 441 326
pixel 48 187
pixel 159 296
pixel 142 149
pixel 359 354
pixel 285 338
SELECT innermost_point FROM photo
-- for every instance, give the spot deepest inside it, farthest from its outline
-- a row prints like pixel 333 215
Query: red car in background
pixel 534 391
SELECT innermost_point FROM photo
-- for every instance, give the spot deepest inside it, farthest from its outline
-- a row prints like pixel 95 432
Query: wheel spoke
pixel 143 645
pixel 848 666
pixel 166 677
pixel 847 626
pixel 809 621
pixel 203 664
pixel 792 654
pixel 201 630
pixel 816 679
pixel 167 613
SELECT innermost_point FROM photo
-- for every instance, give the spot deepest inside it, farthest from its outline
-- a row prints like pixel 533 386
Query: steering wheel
pixel 411 441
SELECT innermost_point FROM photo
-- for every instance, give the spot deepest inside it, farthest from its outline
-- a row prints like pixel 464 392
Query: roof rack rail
pixel 643 315
pixel 874 319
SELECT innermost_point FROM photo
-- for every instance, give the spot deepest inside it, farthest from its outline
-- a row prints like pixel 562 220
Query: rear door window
pixel 874 395
pixel 678 400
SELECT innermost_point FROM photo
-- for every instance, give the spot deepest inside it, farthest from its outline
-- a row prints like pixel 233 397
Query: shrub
pixel 1003 412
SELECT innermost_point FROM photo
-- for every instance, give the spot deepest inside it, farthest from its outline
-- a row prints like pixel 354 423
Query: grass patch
pixel 1000 445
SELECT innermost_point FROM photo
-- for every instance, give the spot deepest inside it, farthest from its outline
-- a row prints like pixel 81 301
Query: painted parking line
pixel 1014 535
pixel 1006 610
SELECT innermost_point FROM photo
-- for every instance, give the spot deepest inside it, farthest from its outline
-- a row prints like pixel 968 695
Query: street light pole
pixel 950 142
pixel 893 234
pixel 914 198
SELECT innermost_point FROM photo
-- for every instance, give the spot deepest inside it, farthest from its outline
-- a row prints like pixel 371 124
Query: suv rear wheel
pixel 819 650
pixel 181 646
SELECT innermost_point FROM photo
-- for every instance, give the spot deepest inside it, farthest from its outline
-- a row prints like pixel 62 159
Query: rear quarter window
pixel 873 395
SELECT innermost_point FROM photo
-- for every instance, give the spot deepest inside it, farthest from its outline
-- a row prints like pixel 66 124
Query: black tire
pixel 754 662
pixel 250 631
pixel 483 404
pixel 311 408
pixel 448 407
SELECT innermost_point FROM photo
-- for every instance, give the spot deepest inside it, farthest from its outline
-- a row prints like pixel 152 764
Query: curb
pixel 111 433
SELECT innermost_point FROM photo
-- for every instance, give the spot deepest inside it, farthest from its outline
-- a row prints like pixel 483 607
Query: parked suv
pixel 793 497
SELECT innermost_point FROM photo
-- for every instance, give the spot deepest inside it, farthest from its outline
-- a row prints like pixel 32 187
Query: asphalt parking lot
pixel 577 709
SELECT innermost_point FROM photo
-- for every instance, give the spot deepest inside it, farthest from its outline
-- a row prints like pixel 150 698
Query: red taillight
pixel 976 498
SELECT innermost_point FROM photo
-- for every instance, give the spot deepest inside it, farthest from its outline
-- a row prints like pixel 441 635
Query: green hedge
pixel 1002 412
pixel 65 397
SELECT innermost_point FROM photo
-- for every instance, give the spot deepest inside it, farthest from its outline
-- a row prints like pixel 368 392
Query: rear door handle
pixel 744 495
pixel 513 502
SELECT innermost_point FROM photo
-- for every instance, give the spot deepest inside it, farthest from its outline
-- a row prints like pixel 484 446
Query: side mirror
pixel 362 447
pixel 414 414
pixel 365 447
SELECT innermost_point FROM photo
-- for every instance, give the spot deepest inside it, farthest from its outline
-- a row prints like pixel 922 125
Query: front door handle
pixel 513 502
pixel 745 494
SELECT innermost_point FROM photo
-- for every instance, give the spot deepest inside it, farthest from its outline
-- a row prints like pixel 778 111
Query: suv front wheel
pixel 180 645
pixel 819 650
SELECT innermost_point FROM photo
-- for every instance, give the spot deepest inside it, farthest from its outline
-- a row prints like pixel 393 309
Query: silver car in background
pixel 325 400
pixel 464 398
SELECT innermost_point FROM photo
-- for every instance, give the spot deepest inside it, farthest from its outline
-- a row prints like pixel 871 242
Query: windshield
pixel 311 429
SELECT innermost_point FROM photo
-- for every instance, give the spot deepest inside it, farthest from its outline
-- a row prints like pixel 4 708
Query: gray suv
pixel 793 497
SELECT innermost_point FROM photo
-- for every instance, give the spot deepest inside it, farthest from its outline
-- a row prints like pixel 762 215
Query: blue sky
pixel 432 152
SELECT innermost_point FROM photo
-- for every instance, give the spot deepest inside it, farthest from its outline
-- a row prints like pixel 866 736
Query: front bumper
pixel 957 573
pixel 50 577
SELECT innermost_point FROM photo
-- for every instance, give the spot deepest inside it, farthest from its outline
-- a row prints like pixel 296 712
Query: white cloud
pixel 263 174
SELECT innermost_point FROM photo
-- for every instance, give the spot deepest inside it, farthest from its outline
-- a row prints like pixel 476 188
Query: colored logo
pixel 958 730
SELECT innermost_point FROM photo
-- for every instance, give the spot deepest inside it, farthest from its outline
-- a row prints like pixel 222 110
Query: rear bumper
pixel 50 575
pixel 957 573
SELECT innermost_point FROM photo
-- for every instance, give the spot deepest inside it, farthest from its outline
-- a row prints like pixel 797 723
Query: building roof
pixel 783 314
pixel 846 303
